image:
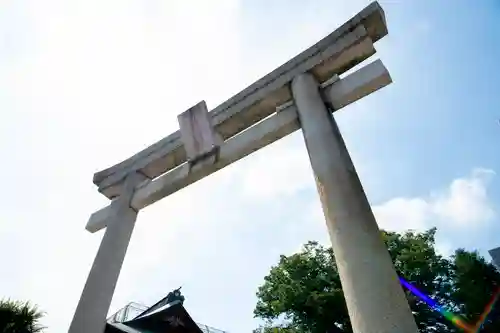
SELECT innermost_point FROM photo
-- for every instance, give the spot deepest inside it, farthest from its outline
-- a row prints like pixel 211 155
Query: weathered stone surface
pixel 357 85
pixel 261 114
pixel 374 297
pixel 342 49
pixel 94 303
pixel 197 132
pixel 341 93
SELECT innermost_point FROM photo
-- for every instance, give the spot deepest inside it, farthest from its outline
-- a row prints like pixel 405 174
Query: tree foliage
pixel 19 317
pixel 476 281
pixel 415 259
pixel 303 294
pixel 303 288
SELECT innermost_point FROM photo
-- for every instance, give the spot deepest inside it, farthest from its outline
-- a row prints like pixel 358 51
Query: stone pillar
pixel 374 297
pixel 93 307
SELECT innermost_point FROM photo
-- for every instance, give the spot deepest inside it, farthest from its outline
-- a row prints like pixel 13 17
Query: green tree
pixel 276 329
pixel 475 283
pixel 302 293
pixel 415 259
pixel 304 290
pixel 19 317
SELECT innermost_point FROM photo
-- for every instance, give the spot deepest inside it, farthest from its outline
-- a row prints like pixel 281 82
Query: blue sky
pixel 85 84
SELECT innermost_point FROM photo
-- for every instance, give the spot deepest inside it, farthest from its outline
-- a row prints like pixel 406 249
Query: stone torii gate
pixel 302 93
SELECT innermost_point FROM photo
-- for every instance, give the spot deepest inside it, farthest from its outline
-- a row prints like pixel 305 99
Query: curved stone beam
pixel 347 46
pixel 339 94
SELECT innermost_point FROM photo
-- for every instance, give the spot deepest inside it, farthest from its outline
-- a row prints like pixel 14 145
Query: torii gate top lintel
pixel 344 48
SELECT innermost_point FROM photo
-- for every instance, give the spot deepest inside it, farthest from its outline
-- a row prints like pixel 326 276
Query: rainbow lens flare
pixel 487 311
pixel 455 319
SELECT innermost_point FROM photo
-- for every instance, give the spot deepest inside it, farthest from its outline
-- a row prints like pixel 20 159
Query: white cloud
pixel 464 204
pixel 445 247
pixel 402 213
